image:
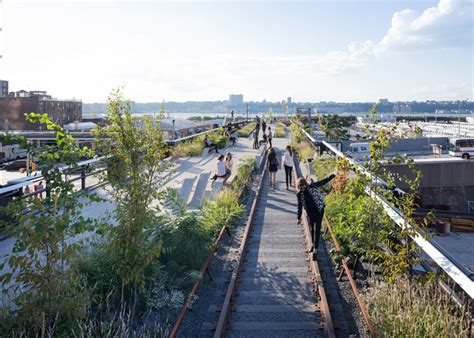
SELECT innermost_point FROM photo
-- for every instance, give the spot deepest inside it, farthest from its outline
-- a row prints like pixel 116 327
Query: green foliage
pixel 359 222
pixel 400 309
pixel 187 242
pixel 42 248
pixel 333 127
pixel 7 139
pixel 194 147
pixel 138 148
pixel 280 130
pixel 246 130
pixel 219 139
pixel 244 170
pixel 224 211
pixel 299 141
pixel 323 166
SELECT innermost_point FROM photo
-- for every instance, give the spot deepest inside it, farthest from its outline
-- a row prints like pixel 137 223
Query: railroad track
pixel 262 281
pixel 274 289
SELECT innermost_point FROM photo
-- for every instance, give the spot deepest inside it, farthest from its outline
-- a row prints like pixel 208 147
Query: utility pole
pixel 459 118
pixel 247 112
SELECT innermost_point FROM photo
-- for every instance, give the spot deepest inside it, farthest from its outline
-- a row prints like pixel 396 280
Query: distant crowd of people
pixel 307 194
pixel 267 135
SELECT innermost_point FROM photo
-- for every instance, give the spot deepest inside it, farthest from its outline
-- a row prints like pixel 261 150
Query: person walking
pixel 264 126
pixel 288 164
pixel 255 139
pixel 263 141
pixel 220 169
pixel 272 166
pixel 232 137
pixel 269 137
pixel 312 201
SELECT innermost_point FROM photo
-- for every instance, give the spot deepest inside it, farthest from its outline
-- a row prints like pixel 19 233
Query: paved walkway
pixel 190 177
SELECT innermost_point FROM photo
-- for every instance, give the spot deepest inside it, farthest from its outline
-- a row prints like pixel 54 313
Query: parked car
pixel 16 165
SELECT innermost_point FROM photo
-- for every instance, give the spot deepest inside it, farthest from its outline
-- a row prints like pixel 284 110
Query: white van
pixel 359 151
pixel 12 152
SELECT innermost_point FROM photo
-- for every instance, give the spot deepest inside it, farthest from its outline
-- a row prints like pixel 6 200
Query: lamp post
pixel 247 112
pixel 459 117
pixel 173 132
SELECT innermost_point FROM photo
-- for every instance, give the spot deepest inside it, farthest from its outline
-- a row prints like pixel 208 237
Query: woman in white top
pixel 229 163
pixel 220 169
pixel 288 164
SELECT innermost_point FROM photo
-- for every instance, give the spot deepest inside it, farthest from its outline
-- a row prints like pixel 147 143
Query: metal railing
pixel 16 190
pixel 455 270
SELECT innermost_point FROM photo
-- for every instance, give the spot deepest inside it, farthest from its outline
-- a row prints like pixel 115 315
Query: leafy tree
pixel 333 127
pixel 43 230
pixel 138 149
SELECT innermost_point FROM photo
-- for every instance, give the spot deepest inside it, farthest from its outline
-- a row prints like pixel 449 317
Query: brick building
pixel 14 107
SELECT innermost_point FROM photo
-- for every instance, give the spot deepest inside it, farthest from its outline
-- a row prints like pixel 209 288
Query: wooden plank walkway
pixel 275 296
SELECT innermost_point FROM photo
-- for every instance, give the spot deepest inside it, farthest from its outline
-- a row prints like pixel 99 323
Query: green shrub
pixel 324 166
pixel 245 168
pixel 246 130
pixel 280 130
pixel 218 139
pixel 224 211
pixel 404 309
pixel 194 147
pixel 187 246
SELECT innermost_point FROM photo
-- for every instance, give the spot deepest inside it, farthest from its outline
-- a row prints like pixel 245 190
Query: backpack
pixel 274 161
pixel 317 198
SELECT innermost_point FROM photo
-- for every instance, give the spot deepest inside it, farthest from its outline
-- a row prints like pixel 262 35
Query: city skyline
pixel 311 51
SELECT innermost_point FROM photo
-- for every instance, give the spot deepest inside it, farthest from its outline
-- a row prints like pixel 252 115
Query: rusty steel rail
pixel 227 305
pixel 362 307
pixel 197 284
pixel 317 279
pixel 318 283
pixel 348 272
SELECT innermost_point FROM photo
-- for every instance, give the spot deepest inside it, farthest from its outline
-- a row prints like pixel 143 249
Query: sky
pixel 347 51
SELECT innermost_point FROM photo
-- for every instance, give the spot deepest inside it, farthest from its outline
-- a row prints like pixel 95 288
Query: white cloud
pixel 444 92
pixel 449 24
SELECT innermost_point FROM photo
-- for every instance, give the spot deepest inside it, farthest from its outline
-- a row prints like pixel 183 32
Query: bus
pixel 461 147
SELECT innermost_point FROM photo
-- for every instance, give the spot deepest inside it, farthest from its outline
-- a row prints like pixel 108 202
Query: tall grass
pixel 246 130
pixel 280 130
pixel 402 309
pixel 245 168
pixel 324 166
pixel 195 147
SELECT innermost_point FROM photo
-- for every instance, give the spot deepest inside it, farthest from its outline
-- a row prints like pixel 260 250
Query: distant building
pixel 401 108
pixel 3 88
pixel 376 118
pixel 288 100
pixel 14 107
pixel 382 101
pixel 236 99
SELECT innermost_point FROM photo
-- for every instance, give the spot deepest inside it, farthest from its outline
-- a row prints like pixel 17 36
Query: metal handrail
pixel 16 187
pixel 456 271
